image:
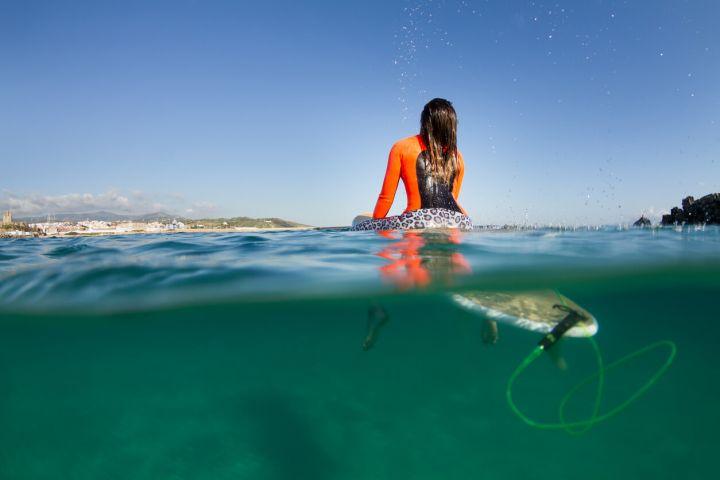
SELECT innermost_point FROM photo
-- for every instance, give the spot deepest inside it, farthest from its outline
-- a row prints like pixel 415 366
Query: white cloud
pixel 136 202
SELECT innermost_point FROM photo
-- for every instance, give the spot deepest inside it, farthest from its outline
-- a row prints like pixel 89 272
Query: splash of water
pixel 422 29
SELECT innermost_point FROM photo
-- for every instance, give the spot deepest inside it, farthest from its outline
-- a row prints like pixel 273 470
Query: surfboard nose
pixel 361 218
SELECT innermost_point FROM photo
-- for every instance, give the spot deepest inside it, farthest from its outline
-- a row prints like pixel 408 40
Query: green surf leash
pixel 581 426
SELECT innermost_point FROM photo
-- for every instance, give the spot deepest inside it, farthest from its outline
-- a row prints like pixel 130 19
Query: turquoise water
pixel 239 356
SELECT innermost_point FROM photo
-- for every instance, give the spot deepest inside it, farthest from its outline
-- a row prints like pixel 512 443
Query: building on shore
pixel 7 218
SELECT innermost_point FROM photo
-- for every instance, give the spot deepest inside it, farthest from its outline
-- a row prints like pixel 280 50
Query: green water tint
pixel 275 387
pixel 285 391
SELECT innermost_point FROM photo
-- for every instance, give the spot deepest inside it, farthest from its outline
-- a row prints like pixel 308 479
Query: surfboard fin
pixel 556 356
pixel 489 332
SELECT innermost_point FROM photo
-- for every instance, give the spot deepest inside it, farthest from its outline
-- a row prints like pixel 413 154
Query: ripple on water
pixel 138 270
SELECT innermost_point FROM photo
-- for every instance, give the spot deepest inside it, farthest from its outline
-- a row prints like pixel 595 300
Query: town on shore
pixel 74 225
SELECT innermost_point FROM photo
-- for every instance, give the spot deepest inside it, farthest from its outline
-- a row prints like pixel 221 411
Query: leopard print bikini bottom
pixel 419 219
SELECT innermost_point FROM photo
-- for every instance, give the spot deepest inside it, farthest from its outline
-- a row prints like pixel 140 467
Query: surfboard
pixel 361 218
pixel 532 311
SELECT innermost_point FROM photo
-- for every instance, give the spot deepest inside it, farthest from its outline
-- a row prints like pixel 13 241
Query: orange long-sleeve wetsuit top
pixel 408 160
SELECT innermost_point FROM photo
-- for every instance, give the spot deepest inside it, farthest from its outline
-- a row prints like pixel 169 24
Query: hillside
pixel 243 222
pixel 163 217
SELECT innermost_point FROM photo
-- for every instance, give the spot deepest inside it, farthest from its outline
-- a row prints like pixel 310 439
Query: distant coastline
pixel 108 223
pixel 180 230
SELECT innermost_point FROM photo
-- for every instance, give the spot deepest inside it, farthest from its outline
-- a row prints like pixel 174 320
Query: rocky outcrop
pixel 642 222
pixel 702 210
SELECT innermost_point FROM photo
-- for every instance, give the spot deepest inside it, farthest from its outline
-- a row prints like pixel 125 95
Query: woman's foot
pixel 377 317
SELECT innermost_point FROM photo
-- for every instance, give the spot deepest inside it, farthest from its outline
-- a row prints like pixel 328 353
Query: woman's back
pixel 431 168
pixel 409 160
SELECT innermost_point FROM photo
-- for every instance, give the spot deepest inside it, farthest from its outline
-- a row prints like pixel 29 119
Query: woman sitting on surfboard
pixel 431 168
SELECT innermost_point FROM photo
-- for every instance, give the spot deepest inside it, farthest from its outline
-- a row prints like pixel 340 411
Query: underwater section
pixel 334 354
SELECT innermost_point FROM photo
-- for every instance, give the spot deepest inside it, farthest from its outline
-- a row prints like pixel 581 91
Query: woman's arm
pixel 458 177
pixel 458 181
pixel 390 184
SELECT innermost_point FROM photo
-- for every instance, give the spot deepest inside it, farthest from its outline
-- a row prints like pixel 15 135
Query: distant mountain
pixel 101 216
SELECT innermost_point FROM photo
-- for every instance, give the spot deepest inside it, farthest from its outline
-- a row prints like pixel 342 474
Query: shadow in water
pixel 286 438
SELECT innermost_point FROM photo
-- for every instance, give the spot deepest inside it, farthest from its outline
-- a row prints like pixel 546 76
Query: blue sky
pixel 570 112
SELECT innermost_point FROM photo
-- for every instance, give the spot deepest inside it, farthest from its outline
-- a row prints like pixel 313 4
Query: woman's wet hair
pixel 438 128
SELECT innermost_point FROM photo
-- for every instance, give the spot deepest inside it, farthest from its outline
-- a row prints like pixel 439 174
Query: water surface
pixel 239 355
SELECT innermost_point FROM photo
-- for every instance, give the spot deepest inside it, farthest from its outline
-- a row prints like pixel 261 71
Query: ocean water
pixel 233 356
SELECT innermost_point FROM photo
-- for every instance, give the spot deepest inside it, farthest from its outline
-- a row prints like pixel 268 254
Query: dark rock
pixel 687 202
pixel 678 214
pixel 702 210
pixel 642 222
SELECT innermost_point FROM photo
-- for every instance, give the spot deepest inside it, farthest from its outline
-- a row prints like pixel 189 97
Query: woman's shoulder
pixel 413 142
